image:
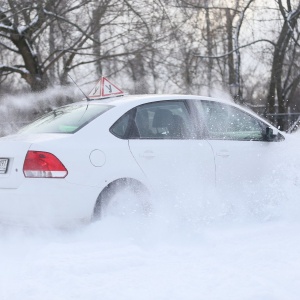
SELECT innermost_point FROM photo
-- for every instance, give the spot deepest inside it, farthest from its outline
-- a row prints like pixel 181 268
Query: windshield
pixel 66 119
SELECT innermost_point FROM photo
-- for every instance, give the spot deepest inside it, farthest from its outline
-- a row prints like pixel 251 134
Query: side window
pixel 163 120
pixel 229 123
pixel 120 128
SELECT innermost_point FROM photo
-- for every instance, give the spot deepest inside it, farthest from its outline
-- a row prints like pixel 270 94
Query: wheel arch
pixel 115 186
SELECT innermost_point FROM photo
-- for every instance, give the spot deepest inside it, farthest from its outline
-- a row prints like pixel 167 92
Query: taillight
pixel 40 164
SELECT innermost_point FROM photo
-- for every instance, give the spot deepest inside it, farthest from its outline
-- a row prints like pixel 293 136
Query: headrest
pixel 162 118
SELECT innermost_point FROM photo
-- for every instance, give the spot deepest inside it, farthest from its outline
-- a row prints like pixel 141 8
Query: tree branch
pixel 13 69
pixel 9 48
pixel 234 50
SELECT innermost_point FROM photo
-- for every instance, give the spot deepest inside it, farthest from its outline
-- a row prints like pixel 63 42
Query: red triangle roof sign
pixel 104 88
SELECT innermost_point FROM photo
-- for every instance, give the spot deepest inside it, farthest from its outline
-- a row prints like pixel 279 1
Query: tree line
pixel 249 48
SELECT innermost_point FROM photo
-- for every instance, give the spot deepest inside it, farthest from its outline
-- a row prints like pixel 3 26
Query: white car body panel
pixel 94 158
pixel 176 167
pixel 241 162
pixel 16 153
pixel 37 202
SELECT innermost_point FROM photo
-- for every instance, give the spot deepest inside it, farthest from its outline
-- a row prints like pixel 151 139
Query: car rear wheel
pixel 124 198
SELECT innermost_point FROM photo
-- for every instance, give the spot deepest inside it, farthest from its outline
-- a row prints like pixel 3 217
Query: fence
pixel 291 119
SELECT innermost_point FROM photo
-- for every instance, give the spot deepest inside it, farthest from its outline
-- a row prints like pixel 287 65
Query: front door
pixel 244 159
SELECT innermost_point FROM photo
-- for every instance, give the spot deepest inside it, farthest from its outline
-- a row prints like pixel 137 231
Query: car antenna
pixel 87 98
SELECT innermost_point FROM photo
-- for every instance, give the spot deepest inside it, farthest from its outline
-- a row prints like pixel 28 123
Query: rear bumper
pixel 47 202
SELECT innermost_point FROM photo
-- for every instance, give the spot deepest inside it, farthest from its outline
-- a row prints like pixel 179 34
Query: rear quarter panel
pixel 75 151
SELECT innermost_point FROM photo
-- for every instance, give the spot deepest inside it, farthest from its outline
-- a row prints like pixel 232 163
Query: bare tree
pixel 284 80
pixel 24 31
pixel 56 36
pixel 162 46
pixel 223 23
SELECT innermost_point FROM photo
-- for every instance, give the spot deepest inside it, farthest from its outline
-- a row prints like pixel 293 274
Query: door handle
pixel 223 153
pixel 147 154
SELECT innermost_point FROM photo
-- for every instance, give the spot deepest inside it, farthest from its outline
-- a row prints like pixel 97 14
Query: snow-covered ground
pixel 110 260
pixel 245 255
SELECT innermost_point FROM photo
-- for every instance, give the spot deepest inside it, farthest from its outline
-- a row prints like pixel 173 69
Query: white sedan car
pixel 69 164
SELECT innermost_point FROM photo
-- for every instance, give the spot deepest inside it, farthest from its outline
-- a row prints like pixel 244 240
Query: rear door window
pixel 163 120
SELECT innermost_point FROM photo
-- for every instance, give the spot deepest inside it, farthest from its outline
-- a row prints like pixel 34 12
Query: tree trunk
pixel 35 76
pixel 276 88
pixel 209 48
pixel 231 73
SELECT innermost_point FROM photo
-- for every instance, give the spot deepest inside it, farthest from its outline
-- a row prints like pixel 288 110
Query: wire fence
pixel 292 120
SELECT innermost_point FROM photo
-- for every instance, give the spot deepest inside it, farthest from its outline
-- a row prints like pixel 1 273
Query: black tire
pixel 118 194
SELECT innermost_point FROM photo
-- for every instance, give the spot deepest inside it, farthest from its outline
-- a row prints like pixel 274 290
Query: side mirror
pixel 270 136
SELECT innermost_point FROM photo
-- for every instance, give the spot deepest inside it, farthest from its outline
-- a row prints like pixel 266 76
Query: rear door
pixel 165 145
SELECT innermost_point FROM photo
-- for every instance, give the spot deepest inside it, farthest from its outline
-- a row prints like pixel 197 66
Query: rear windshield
pixel 66 119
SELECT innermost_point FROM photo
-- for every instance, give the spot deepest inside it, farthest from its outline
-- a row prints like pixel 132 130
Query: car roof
pixel 136 99
pixel 142 99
